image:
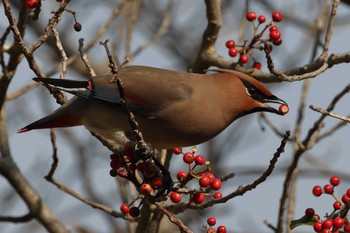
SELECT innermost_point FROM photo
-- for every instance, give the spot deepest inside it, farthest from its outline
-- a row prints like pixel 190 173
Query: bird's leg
pixel 167 180
pixel 145 152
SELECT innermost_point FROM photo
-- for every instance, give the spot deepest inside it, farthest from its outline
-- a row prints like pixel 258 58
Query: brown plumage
pixel 172 108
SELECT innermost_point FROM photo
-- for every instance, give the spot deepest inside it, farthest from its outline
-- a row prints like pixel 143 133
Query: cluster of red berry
pixel 337 220
pixel 211 221
pixel 203 175
pixel 143 173
pixel 150 181
pixel 257 40
pixel 32 4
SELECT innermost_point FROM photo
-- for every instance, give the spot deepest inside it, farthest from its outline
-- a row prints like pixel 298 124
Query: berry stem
pixel 335 197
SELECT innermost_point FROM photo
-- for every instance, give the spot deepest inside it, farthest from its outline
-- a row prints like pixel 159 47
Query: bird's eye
pixel 252 91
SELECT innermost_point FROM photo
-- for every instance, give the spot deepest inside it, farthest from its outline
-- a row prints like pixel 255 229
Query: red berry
pixel 115 164
pixel 217 195
pixel 335 180
pixel 32 3
pixel 122 173
pixel 269 48
pixel 188 157
pixel 211 221
pixel 250 16
pixel 338 222
pixel 273 28
pixel 243 59
pixel 199 160
pixel 345 198
pixel 257 65
pixel 141 167
pixel 175 197
pixel 204 181
pixel 347 228
pixel 327 224
pixel 318 226
pixel 134 212
pixel 114 156
pixel 113 173
pixel 58 0
pixel 198 198
pixel 181 175
pixel 216 184
pixel 309 212
pixel 232 52
pixel 157 182
pixel 132 167
pixel 129 148
pixel 337 205
pixel 221 229
pixel 348 192
pixel 328 188
pixel 77 27
pixel 277 42
pixel 210 176
pixel 230 44
pixel 275 35
pixel 145 189
pixel 177 150
pixel 261 19
pixel 317 190
pixel 283 108
pixel 124 208
pixel 277 16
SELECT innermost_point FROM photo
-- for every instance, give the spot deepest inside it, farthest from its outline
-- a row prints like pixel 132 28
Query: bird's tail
pixel 78 88
pixel 53 121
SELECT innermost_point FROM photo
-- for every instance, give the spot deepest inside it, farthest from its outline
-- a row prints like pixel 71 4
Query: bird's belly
pixel 112 123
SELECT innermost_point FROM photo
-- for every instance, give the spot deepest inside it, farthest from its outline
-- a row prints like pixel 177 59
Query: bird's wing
pixel 146 89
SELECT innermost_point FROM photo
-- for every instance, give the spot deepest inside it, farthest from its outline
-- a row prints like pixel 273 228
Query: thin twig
pixel 329 108
pixel 173 219
pixel 54 155
pixel 49 177
pixel 84 58
pixel 332 130
pixel 20 219
pixel 120 86
pixel 271 125
pixel 241 190
pixel 63 54
pixel 163 28
pixel 87 201
pixel 133 14
pixel 331 114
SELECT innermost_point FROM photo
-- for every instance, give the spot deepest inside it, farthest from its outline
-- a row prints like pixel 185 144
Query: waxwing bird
pixel 172 108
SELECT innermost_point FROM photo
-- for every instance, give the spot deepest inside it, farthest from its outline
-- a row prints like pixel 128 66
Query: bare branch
pixel 331 114
pixel 173 219
pixel 207 52
pixel 84 58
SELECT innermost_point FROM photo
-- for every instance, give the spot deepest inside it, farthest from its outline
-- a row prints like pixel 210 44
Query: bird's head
pixel 255 96
pixel 261 96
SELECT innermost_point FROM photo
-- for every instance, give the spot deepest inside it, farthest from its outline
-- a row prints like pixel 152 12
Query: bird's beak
pixel 275 100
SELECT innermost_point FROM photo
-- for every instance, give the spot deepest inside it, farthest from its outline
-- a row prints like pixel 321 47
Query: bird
pixel 172 109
